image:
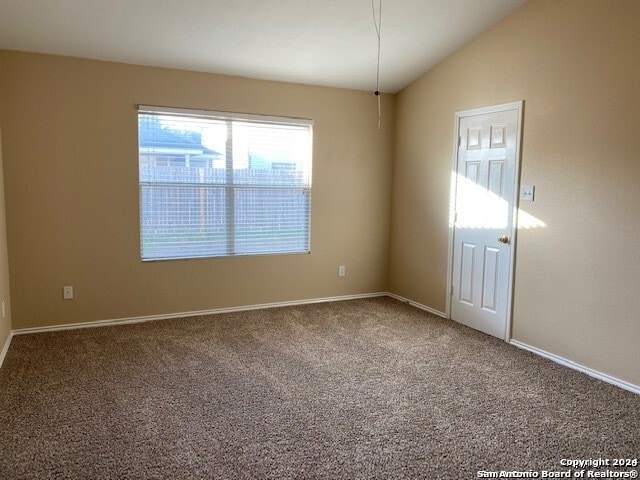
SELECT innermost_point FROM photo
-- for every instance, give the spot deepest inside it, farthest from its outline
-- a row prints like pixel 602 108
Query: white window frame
pixel 227 116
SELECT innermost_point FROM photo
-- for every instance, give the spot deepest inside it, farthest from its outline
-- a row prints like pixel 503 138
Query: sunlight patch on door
pixel 473 206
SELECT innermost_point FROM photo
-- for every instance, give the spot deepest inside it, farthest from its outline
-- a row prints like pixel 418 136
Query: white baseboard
pixel 5 348
pixel 417 305
pixel 195 313
pixel 576 366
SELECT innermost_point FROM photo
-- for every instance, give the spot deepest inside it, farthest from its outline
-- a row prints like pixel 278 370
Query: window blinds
pixel 215 184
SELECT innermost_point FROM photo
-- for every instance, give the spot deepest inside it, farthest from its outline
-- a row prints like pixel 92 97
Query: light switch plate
pixel 527 193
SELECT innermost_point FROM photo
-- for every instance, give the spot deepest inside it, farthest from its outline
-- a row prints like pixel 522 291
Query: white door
pixel 484 215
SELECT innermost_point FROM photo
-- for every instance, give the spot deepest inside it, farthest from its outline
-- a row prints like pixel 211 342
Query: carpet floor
pixel 357 389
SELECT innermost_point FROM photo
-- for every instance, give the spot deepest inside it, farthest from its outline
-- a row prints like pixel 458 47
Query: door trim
pixel 518 106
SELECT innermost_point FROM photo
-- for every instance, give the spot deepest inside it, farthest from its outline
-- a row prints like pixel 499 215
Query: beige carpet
pixel 360 389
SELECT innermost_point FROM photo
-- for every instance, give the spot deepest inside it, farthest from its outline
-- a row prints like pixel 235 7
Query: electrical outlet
pixel 67 293
pixel 341 271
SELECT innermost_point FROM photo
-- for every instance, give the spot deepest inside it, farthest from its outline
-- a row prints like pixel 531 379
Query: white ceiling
pixel 323 42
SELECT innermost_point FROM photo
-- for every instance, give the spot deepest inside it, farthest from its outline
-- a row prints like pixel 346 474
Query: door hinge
pixel 459 141
pixel 451 290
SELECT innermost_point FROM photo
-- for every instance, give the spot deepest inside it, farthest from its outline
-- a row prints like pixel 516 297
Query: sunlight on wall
pixel 528 221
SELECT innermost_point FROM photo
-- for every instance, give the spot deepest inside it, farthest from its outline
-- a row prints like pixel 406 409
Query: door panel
pixel 496 177
pixel 467 276
pixel 472 171
pixel 485 184
pixel 490 279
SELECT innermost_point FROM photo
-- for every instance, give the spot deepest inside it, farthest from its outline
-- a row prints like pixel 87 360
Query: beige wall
pixel 575 64
pixel 70 152
pixel 5 323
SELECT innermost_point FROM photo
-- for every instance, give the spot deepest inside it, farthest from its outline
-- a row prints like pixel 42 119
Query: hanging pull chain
pixel 377 22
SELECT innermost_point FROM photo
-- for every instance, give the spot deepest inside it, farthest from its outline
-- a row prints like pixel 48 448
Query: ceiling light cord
pixel 377 22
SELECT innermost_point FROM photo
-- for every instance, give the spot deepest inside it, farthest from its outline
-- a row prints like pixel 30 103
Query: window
pixel 213 184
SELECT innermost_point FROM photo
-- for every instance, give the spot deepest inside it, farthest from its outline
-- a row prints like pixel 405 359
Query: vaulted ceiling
pixel 324 42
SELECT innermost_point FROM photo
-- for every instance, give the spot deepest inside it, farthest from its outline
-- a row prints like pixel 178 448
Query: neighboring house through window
pixel 218 184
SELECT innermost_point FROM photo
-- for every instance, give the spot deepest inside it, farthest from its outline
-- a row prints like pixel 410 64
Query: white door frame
pixel 518 106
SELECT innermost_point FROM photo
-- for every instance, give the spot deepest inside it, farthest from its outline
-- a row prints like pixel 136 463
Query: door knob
pixel 503 239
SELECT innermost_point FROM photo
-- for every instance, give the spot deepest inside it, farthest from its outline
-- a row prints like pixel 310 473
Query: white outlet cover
pixel 67 293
